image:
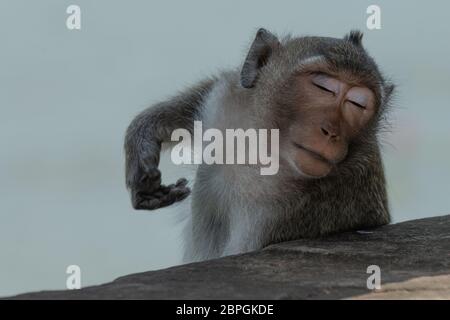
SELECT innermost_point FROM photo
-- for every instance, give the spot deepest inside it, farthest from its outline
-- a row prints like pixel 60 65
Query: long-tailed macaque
pixel 327 98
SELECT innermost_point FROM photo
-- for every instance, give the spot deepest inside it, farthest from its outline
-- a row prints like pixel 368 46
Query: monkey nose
pixel 329 132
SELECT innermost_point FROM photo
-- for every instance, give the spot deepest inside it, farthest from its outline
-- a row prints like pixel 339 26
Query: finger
pixel 149 204
pixel 182 182
pixel 156 201
pixel 178 193
pixel 162 197
pixel 152 203
pixel 138 203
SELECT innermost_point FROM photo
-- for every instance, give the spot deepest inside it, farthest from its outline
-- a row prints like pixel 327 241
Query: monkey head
pixel 325 95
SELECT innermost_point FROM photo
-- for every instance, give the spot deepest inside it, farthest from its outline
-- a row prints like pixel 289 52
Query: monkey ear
pixel 258 55
pixel 354 37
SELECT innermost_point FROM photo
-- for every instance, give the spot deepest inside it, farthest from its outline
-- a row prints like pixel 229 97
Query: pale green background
pixel 66 98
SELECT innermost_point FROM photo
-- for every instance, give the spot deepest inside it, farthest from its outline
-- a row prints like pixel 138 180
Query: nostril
pixel 324 131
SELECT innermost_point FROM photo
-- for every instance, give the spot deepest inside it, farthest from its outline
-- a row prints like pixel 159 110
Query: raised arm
pixel 143 146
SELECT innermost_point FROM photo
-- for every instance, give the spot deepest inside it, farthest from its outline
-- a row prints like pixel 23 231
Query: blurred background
pixel 66 98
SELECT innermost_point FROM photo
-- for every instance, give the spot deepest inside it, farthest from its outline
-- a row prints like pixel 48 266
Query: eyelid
pixel 325 83
pixel 322 87
pixel 357 104
pixel 358 97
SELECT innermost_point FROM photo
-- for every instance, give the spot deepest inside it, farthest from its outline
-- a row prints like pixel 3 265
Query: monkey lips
pixel 310 163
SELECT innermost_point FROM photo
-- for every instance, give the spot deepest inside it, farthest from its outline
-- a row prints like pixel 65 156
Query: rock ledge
pixel 414 258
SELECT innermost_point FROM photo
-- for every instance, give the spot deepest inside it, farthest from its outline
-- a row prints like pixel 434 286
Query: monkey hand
pixel 161 196
pixel 143 177
pixel 147 192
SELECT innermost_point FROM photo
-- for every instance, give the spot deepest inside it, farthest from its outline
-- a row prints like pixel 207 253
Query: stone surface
pixel 437 287
pixel 330 268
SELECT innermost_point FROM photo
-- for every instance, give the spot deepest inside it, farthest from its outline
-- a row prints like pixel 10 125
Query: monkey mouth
pixel 315 154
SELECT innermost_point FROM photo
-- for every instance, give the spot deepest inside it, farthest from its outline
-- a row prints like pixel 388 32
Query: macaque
pixel 327 98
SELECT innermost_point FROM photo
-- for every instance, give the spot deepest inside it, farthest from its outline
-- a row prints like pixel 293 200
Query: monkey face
pixel 328 112
pixel 325 95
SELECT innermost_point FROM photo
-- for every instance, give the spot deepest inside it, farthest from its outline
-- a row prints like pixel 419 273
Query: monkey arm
pixel 143 141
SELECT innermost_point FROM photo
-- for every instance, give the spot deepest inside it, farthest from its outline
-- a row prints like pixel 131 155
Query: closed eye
pixel 323 88
pixel 357 104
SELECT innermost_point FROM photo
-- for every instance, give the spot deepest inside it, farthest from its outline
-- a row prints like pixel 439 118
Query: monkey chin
pixel 311 165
